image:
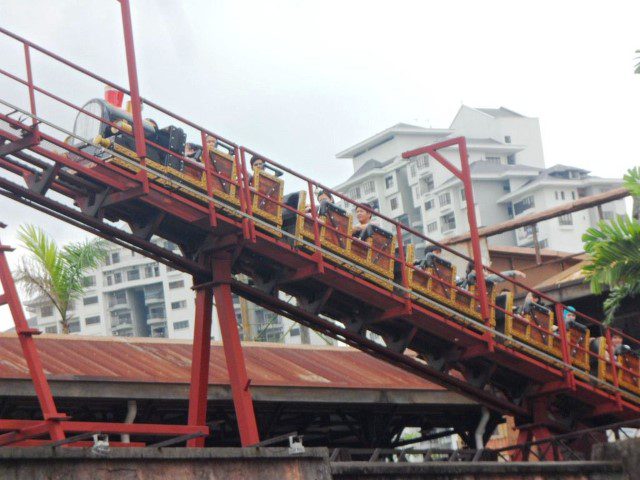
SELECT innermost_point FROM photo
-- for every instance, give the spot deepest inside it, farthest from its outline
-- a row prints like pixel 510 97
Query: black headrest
pixel 578 326
pixel 540 308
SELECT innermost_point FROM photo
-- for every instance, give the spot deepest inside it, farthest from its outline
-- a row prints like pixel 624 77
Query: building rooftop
pixel 388 134
pixel 119 359
pixel 368 166
pixel 500 112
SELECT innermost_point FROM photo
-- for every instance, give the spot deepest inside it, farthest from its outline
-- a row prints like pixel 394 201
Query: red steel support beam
pixel 40 383
pixel 242 401
pixel 200 362
pixel 136 104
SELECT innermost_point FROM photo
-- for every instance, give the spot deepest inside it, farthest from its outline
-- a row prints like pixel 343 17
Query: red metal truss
pixel 331 294
pixel 55 424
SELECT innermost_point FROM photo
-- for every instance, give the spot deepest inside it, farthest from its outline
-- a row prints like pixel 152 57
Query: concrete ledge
pixel 61 453
pixel 469 470
pixel 161 463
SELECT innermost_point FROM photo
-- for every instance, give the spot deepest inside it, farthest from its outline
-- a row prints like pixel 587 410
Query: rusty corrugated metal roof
pixel 68 357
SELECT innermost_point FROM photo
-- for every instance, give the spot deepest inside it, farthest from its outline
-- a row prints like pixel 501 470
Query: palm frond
pixel 57 272
pixel 632 181
pixel 616 296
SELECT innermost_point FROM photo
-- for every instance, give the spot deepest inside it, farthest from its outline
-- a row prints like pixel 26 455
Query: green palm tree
pixel 614 254
pixel 56 271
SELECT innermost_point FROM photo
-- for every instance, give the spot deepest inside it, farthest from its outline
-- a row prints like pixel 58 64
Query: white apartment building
pixel 131 295
pixel 508 173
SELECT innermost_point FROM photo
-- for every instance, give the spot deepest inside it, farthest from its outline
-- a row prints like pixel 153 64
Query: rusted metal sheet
pixel 169 361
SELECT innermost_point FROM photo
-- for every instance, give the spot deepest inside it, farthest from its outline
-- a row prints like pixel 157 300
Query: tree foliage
pixel 614 253
pixel 54 271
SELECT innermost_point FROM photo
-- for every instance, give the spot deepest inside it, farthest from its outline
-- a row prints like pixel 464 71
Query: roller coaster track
pixel 218 240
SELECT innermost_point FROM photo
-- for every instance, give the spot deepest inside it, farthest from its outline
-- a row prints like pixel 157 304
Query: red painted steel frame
pixel 25 334
pixel 176 204
pixel 464 174
pixel 234 357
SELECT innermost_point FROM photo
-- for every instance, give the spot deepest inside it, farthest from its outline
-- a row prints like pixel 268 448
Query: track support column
pixel 200 356
pixel 242 402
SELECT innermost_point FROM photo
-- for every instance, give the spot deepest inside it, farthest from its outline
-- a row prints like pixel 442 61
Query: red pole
pixel 136 106
pixel 475 238
pixel 200 363
pixel 242 401
pixel 34 364
pixel 32 95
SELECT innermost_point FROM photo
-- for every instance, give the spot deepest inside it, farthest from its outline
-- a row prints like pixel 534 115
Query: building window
pixel 51 329
pixel 89 281
pixel 543 243
pixel 92 320
pixel 423 162
pixel 178 305
pixel 463 197
pixel 444 199
pixel 355 193
pixel 109 280
pixel 46 311
pixel 510 210
pixel 511 159
pixel 507 139
pixel 562 195
pixel 115 257
pixel 608 214
pixel 181 325
pixel 566 219
pixel 89 300
pixel 413 170
pixel 523 205
pixel 117 277
pixel 573 195
pixel 448 222
pixel 74 327
pixel 429 204
pixel 388 182
pixel 176 284
pixel 557 196
pixel 393 203
pixel 432 227
pixel 492 159
pixel 133 274
pixel 369 187
pixel 415 193
pixel 426 184
pixel 151 270
pixel 295 332
pixel 506 186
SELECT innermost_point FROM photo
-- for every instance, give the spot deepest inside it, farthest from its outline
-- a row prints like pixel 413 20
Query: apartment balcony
pixel 151 297
pixel 118 305
pixel 156 321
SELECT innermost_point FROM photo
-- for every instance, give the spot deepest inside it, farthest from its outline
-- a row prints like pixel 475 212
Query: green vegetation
pixel 614 252
pixel 54 271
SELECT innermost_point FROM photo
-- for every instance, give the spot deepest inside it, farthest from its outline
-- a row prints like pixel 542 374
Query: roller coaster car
pixel 578 338
pixel 334 226
pixel 223 179
pixel 533 328
pixel 374 250
pixel 266 204
pixel 628 363
pixel 629 373
pixel 434 280
pixel 102 137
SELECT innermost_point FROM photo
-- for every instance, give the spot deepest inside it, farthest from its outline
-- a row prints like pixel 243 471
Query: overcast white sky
pixel 300 81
